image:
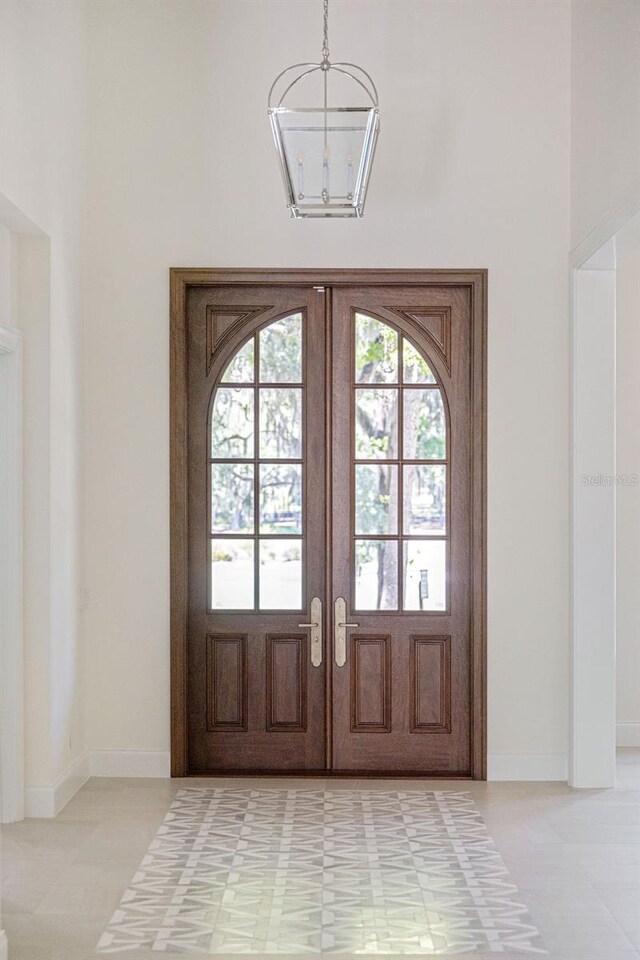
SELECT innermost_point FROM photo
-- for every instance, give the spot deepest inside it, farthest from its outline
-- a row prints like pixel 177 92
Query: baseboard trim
pixel 131 763
pixel 527 766
pixel 628 734
pixel 46 802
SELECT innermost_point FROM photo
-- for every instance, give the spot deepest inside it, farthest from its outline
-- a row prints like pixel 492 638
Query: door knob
pixel 340 632
pixel 316 631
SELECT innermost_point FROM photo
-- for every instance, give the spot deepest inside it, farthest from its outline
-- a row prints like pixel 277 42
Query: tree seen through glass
pixel 281 351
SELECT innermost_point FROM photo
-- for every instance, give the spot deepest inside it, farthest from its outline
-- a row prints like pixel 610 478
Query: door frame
pixel 181 279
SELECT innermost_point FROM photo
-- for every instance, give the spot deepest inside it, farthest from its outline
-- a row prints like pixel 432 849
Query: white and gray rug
pixel 310 871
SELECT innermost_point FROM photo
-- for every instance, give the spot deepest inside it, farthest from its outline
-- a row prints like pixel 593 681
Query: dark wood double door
pixel 334 526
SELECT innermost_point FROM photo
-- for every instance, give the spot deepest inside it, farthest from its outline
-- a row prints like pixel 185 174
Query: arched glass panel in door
pixel 400 477
pixel 256 474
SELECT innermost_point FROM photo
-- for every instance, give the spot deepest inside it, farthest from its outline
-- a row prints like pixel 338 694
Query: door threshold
pixel 337 774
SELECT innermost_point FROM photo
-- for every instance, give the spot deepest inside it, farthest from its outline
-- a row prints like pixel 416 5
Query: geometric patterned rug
pixel 333 872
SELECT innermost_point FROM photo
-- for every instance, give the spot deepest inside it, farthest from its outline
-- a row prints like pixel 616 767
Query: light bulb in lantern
pixel 350 177
pixel 325 174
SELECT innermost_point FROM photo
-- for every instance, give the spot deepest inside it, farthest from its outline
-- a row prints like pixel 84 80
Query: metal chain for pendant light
pixel 325 66
pixel 325 40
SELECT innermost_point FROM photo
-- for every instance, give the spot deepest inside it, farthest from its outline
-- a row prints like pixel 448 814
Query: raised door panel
pixel 287 659
pixel 431 684
pixel 226 683
pixel 370 684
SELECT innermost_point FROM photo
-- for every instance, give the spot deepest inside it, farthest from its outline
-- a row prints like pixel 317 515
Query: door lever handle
pixel 340 632
pixel 315 624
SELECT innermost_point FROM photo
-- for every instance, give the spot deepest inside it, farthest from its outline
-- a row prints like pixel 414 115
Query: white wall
pixel 628 501
pixel 42 190
pixel 605 110
pixel 472 170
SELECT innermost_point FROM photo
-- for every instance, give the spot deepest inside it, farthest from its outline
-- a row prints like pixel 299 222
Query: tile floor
pixel 310 871
pixel 474 869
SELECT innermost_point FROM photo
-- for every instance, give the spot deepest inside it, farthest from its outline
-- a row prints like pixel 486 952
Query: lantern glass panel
pixel 325 157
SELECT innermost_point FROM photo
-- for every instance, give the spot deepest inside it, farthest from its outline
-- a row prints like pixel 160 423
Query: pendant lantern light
pixel 325 151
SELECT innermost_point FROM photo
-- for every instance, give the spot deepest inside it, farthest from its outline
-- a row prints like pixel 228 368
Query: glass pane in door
pixel 281 351
pixel 280 574
pixel 376 501
pixel 376 575
pixel 376 424
pixel 232 574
